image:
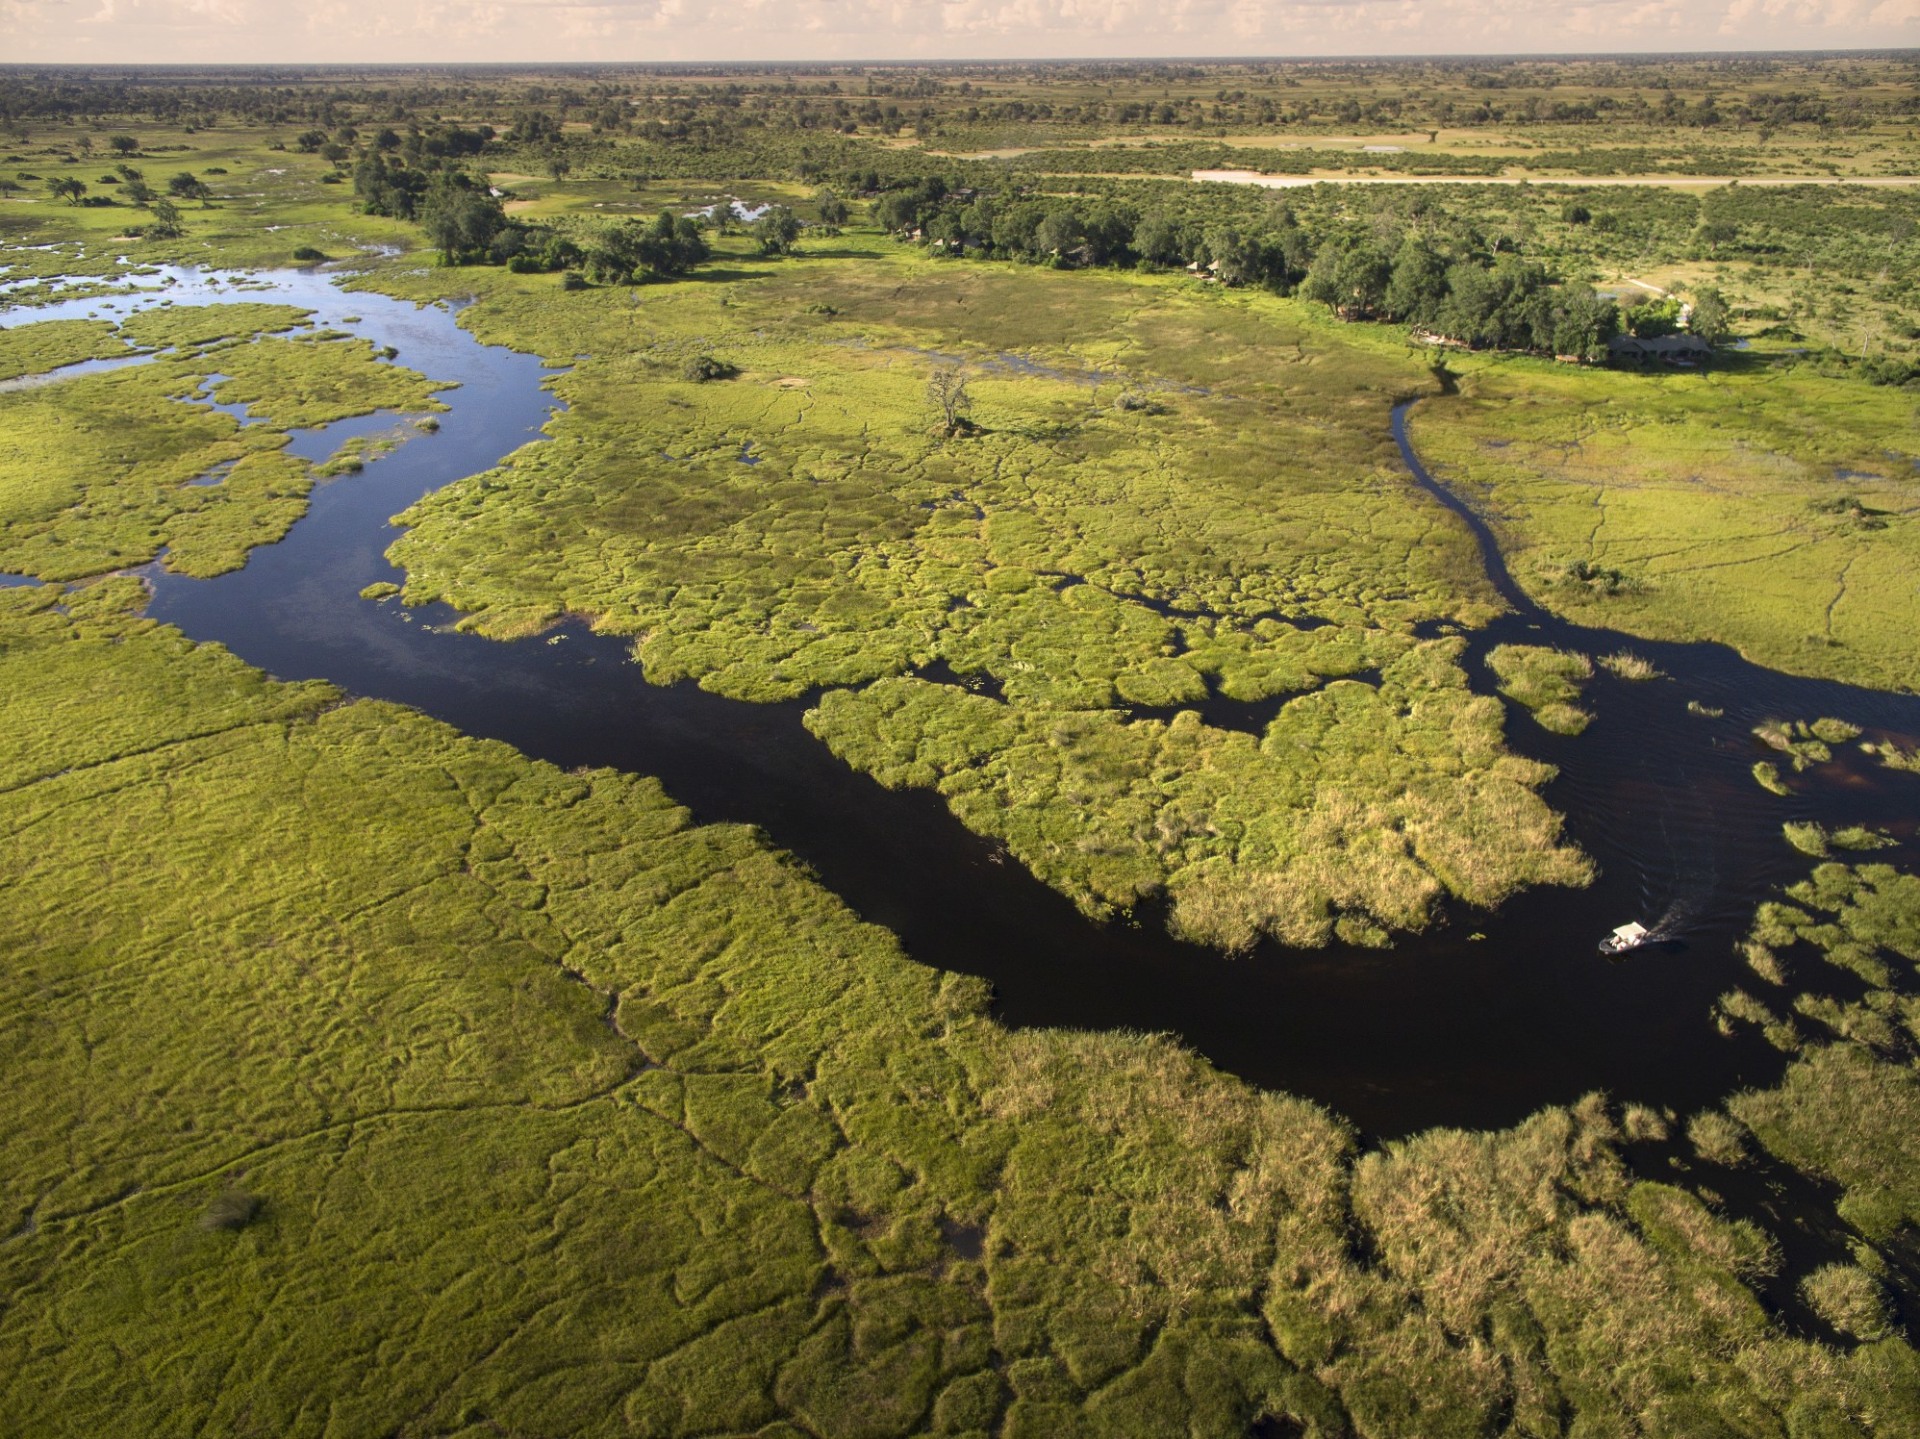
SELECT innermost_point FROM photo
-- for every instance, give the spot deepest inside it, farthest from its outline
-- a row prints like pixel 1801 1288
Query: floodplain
pixel 372 1075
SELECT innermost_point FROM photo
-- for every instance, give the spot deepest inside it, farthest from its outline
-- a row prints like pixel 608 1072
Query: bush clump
pixel 702 368
pixel 231 1209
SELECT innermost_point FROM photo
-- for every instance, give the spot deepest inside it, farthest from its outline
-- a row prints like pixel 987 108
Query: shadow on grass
pixel 729 276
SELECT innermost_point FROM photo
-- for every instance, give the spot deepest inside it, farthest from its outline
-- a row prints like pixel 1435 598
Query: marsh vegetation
pixel 409 1085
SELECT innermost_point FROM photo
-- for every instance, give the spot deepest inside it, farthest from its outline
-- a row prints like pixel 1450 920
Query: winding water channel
pixel 1480 1022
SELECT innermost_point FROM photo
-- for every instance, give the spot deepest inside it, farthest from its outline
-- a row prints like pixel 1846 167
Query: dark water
pixel 1480 1022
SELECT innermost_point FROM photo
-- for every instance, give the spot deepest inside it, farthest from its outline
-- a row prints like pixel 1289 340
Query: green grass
pixel 189 327
pixel 1761 504
pixel 1546 681
pixel 97 471
pixel 1250 534
pixel 1630 666
pixel 1843 1102
pixel 359 1077
pixel 35 349
pixel 514 1100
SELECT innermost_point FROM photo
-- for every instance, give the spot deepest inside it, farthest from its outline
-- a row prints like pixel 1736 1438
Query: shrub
pixel 701 368
pixel 1139 402
pixel 307 254
pixel 1600 579
pixel 231 1209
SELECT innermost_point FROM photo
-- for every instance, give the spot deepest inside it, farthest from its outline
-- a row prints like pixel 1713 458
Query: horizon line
pixel 905 62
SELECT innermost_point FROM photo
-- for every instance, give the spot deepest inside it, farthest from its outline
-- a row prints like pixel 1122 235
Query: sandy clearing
pixel 1295 182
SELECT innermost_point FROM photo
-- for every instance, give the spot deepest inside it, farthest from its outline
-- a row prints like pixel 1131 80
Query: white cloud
pixel 454 30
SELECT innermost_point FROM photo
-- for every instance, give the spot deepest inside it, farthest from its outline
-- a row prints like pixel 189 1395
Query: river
pixel 1479 1022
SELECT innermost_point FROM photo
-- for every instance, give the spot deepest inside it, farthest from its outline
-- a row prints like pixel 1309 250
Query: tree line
pixel 1450 285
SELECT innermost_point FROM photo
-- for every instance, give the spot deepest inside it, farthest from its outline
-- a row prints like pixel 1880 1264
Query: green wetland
pixel 1375 1032
pixel 555 889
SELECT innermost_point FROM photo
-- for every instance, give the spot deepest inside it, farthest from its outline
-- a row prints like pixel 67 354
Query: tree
pixel 946 229
pixel 1711 318
pixel 667 247
pixel 897 211
pixel 975 222
pixel 388 186
pixel 672 246
pixel 1583 323
pixel 1285 251
pixel 1319 286
pixel 702 368
pixel 1349 277
pixel 166 221
pixel 1419 282
pixel 613 253
pixel 1233 258
pixel 138 191
pixel 1362 275
pixel 460 219
pixel 1058 234
pixel 831 208
pixel 187 186
pixel 1163 240
pixel 67 188
pixel 947 393
pixel 558 165
pixel 1652 318
pixel 123 144
pixel 776 230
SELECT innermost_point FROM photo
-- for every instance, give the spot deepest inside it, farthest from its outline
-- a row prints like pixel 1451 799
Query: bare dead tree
pixel 947 392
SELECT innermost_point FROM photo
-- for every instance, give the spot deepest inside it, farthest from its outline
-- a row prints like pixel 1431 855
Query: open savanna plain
pixel 365 1078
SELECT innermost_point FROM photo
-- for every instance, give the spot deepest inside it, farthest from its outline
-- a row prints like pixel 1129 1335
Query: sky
pixel 319 31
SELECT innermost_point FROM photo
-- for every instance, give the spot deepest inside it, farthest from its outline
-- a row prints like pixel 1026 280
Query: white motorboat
pixel 1628 936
